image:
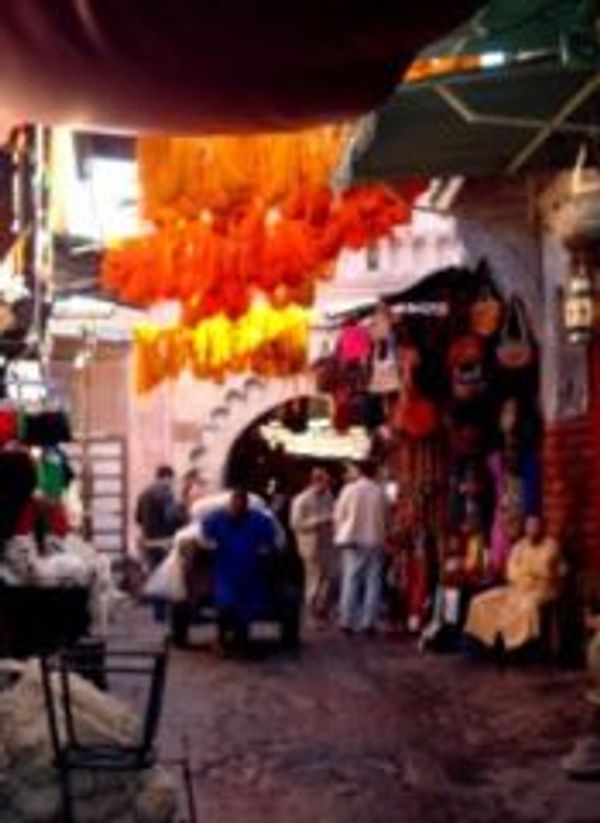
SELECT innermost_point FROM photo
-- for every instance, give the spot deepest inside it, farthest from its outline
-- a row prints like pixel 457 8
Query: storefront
pixel 440 386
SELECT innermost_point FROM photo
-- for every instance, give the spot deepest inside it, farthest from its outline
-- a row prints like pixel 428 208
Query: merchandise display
pixel 53 584
pixel 451 405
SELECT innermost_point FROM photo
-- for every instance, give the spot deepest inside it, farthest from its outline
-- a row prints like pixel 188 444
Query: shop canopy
pixel 193 65
pixel 517 88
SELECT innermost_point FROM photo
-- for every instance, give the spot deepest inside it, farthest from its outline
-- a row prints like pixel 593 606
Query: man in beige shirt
pixel 360 521
pixel 312 522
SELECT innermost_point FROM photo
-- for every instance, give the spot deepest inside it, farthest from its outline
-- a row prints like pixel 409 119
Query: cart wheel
pixel 290 632
pixel 179 624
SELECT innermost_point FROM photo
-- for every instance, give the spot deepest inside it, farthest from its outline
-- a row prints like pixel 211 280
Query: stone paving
pixel 371 731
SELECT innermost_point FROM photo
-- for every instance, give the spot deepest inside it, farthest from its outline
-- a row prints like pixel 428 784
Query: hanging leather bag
pixel 486 314
pixel 515 350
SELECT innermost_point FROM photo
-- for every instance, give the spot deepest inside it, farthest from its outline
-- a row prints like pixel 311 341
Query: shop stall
pixel 444 378
pixel 47 575
pixel 45 578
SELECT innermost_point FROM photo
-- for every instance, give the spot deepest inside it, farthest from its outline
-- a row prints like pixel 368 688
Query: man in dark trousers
pixel 158 514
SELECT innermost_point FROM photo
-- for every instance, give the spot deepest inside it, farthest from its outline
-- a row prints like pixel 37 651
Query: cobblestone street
pixel 370 731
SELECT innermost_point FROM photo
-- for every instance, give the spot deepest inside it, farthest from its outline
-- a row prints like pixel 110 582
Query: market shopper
pixel 240 535
pixel 158 515
pixel 511 613
pixel 312 523
pixel 360 521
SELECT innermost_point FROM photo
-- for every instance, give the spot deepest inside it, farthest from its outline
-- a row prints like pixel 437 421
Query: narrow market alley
pixel 372 731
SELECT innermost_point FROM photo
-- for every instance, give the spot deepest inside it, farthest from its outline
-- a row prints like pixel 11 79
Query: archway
pixel 237 406
pixel 261 463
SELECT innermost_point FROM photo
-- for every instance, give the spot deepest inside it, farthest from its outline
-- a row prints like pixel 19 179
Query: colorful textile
pixel 181 176
pixel 214 264
pixel 239 215
pixel 267 341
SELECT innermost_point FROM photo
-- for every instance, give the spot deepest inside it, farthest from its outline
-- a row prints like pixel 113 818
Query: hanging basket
pixel 515 350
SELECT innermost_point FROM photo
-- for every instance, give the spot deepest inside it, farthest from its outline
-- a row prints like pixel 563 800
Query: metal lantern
pixel 579 306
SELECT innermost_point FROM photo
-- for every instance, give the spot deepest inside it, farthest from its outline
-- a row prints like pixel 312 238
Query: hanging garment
pixel 416 588
pixel 374 412
pixel 531 473
pixel 508 512
pixel 382 324
pixel 53 473
pixel 46 428
pixel 354 344
pixel 475 556
pixel 341 410
pixel 385 376
pixel 415 416
pixel 8 425
pixel 349 409
pixel 408 362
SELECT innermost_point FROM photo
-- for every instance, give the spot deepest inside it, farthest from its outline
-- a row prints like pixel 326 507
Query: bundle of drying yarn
pixel 28 780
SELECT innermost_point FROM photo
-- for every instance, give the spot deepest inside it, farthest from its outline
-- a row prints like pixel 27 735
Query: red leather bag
pixel 486 314
pixel 515 350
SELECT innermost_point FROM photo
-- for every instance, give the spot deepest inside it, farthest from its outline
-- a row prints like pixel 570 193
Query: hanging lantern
pixel 579 305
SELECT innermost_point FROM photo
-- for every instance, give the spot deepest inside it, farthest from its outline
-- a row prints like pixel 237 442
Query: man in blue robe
pixel 240 535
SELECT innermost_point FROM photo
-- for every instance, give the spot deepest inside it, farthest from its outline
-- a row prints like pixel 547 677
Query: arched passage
pixel 261 466
pixel 237 409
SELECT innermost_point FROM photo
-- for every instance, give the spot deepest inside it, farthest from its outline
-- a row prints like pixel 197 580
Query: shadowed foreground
pixel 362 731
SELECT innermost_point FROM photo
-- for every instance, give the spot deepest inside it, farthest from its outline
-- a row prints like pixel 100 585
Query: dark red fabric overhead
pixel 197 65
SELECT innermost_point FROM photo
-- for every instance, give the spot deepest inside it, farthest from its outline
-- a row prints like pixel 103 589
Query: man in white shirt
pixel 360 520
pixel 312 522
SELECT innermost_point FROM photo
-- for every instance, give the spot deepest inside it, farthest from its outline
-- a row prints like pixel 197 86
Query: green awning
pixel 525 27
pixel 530 110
